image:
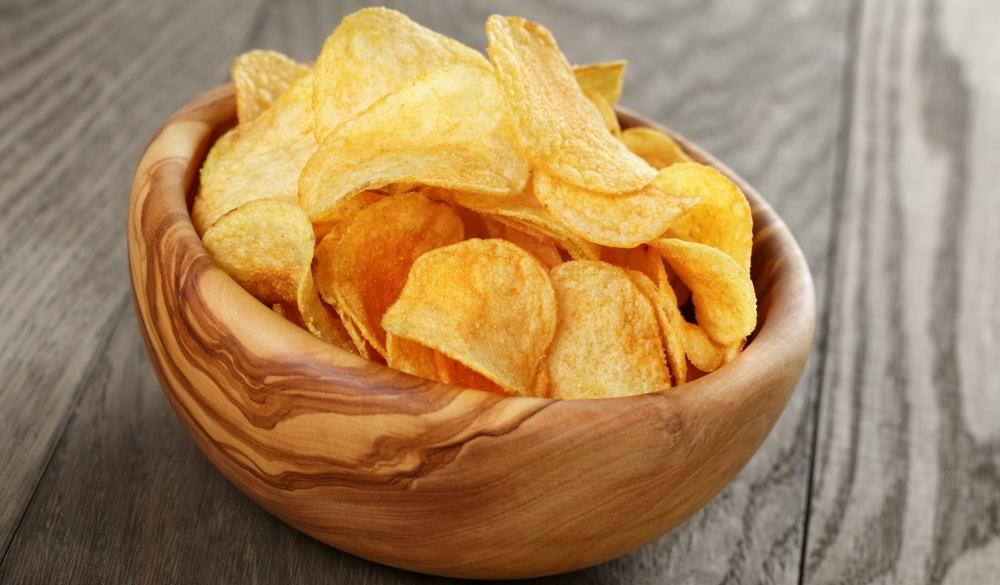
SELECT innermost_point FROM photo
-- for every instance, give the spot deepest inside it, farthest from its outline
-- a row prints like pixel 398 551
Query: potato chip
pixel 485 303
pixel 326 252
pixel 410 357
pixel 654 147
pixel 544 249
pixel 374 256
pixel 704 354
pixel 453 372
pixel 725 304
pixel 722 219
pixel 650 277
pixel 447 128
pixel 622 221
pixel 523 212
pixel 346 213
pixel 266 245
pixel 259 77
pixel 561 129
pixel 607 113
pixel 607 340
pixel 604 78
pixel 259 160
pixel 374 52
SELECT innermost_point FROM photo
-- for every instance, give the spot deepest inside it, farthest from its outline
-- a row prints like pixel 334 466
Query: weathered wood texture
pixel 83 85
pixel 757 83
pixel 907 476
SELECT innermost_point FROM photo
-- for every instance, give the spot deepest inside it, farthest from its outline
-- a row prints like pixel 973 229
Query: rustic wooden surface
pixel 872 127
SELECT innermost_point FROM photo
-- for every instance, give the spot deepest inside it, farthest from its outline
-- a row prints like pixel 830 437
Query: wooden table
pixel 872 127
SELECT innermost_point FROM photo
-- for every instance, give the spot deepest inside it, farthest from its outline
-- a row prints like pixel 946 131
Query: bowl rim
pixel 171 272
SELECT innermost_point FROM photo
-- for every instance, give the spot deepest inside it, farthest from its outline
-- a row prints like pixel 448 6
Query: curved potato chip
pixel 453 372
pixel 374 52
pixel 654 147
pixel 542 248
pixel 725 304
pixel 261 159
pixel 561 129
pixel 722 219
pixel 604 78
pixel 259 77
pixel 670 319
pixel 266 245
pixel 622 221
pixel 607 339
pixel 323 276
pixel 607 113
pixel 410 357
pixel 486 303
pixel 522 212
pixel 374 256
pixel 705 354
pixel 346 213
pixel 446 128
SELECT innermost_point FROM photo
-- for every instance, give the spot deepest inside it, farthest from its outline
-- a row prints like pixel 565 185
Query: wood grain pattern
pixel 907 479
pixel 405 471
pixel 83 85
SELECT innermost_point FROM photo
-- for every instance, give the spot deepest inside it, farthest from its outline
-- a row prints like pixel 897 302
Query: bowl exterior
pixel 425 476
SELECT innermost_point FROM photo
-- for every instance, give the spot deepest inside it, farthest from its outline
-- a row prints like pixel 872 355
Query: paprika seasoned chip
pixel 261 159
pixel 561 129
pixel 259 78
pixel 373 258
pixel 724 301
pixel 447 128
pixel 486 303
pixel 607 340
pixel 374 52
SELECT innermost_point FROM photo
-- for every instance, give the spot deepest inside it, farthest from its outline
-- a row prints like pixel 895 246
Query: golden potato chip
pixel 259 77
pixel 523 212
pixel 607 340
pixel 542 248
pixel 374 256
pixel 561 129
pixel 652 282
pixel 607 113
pixel 410 357
pixel 722 219
pixel 485 303
pixel 374 52
pixel 654 147
pixel 453 372
pixel 725 304
pixel 446 128
pixel 290 314
pixel 705 354
pixel 647 260
pixel 622 221
pixel 604 78
pixel 346 213
pixel 326 252
pixel 266 245
pixel 261 159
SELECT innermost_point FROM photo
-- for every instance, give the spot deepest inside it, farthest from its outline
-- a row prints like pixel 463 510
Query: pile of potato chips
pixel 481 222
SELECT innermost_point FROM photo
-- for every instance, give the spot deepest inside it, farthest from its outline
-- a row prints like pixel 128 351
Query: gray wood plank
pixel 83 86
pixel 757 83
pixel 907 477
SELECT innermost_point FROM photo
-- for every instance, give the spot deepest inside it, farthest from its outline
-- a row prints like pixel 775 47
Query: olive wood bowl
pixel 422 475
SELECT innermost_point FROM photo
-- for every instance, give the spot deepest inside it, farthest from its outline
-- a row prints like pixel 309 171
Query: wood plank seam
pixel 837 190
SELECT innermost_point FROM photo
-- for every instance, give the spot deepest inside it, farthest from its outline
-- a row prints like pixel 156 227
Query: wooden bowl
pixel 426 476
